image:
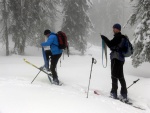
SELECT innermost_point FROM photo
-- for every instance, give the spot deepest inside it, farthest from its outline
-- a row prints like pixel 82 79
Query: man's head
pixel 116 28
pixel 47 32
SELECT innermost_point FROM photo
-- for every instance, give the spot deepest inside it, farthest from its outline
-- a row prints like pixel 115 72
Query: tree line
pixel 25 21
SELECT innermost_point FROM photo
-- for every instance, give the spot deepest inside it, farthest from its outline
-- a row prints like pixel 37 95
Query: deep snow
pixel 17 95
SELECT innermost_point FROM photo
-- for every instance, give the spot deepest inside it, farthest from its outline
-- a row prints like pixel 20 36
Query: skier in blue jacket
pixel 54 52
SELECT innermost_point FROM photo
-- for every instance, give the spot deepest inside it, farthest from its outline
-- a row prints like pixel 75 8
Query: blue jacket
pixel 52 41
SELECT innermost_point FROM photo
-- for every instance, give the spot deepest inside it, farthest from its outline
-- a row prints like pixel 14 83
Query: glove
pixel 102 36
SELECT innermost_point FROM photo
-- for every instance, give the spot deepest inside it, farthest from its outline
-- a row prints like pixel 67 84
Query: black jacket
pixel 113 44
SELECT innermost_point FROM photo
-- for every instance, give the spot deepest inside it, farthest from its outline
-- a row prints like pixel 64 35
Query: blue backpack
pixel 126 47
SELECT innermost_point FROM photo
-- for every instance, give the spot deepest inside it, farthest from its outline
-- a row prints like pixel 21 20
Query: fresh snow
pixel 18 95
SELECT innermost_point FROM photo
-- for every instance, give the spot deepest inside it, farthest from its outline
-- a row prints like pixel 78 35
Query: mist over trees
pixel 23 22
pixel 76 23
pixel 105 13
pixel 27 20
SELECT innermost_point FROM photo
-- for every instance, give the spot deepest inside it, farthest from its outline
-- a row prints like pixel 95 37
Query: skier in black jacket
pixel 117 62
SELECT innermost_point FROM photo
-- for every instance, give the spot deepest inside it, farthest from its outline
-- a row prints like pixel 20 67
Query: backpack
pixel 62 41
pixel 126 47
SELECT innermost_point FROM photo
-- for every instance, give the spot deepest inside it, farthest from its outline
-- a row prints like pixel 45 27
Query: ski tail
pixel 30 64
pixel 48 74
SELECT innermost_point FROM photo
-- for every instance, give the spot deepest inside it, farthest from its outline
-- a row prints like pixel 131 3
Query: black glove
pixel 102 36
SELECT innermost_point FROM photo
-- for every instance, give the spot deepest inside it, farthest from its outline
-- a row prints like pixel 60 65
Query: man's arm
pixel 111 43
pixel 106 40
pixel 49 41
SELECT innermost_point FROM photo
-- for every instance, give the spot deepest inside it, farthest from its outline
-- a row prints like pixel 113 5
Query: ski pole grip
pixel 136 81
pixel 94 60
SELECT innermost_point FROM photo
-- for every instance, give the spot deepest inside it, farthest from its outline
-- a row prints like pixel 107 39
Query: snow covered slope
pixel 18 95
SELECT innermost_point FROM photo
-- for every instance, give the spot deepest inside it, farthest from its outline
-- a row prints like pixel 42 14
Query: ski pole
pixel 60 62
pixel 63 55
pixel 35 77
pixel 93 62
pixel 68 52
pixel 134 82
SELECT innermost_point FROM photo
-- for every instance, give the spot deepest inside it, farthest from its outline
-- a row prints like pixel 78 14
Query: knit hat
pixel 117 26
pixel 46 32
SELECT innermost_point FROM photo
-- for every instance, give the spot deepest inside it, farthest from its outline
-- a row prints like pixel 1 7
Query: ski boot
pixel 123 98
pixel 47 70
pixel 113 95
pixel 56 81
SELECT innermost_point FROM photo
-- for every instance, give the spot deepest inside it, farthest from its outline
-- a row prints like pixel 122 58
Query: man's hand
pixel 102 36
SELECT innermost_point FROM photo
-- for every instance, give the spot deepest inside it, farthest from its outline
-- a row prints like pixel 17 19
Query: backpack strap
pixel 117 48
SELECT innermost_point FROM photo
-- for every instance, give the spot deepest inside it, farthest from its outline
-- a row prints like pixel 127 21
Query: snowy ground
pixel 17 95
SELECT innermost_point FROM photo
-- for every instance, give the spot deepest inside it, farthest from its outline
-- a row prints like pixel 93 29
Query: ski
pixel 129 103
pixel 48 74
pixel 96 92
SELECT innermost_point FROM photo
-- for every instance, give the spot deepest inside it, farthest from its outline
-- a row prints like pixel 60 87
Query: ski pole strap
pixel 104 51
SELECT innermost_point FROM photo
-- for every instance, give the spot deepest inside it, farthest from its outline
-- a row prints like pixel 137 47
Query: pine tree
pixel 48 18
pixel 76 22
pixel 141 41
pixel 29 19
pixel 5 14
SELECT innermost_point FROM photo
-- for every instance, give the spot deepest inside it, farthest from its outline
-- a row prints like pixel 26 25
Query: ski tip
pixel 24 59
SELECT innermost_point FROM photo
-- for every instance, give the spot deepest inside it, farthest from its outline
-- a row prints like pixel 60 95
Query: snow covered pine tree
pixel 141 43
pixel 76 23
pixel 28 19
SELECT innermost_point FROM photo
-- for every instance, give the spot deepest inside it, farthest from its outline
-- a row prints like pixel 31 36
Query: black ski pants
pixel 117 74
pixel 54 60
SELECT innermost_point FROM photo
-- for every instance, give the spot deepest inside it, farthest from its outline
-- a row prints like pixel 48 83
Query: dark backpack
pixel 62 40
pixel 126 47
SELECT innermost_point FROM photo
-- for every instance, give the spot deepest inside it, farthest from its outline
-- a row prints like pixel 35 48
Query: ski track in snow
pixel 18 95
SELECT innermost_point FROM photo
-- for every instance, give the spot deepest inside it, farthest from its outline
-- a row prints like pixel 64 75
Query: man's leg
pixel 114 78
pixel 54 61
pixel 48 54
pixel 122 80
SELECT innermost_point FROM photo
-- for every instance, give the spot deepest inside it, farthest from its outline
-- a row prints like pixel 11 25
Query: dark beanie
pixel 117 26
pixel 46 32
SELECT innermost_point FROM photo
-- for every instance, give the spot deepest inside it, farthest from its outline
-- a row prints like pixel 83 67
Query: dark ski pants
pixel 117 74
pixel 54 61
